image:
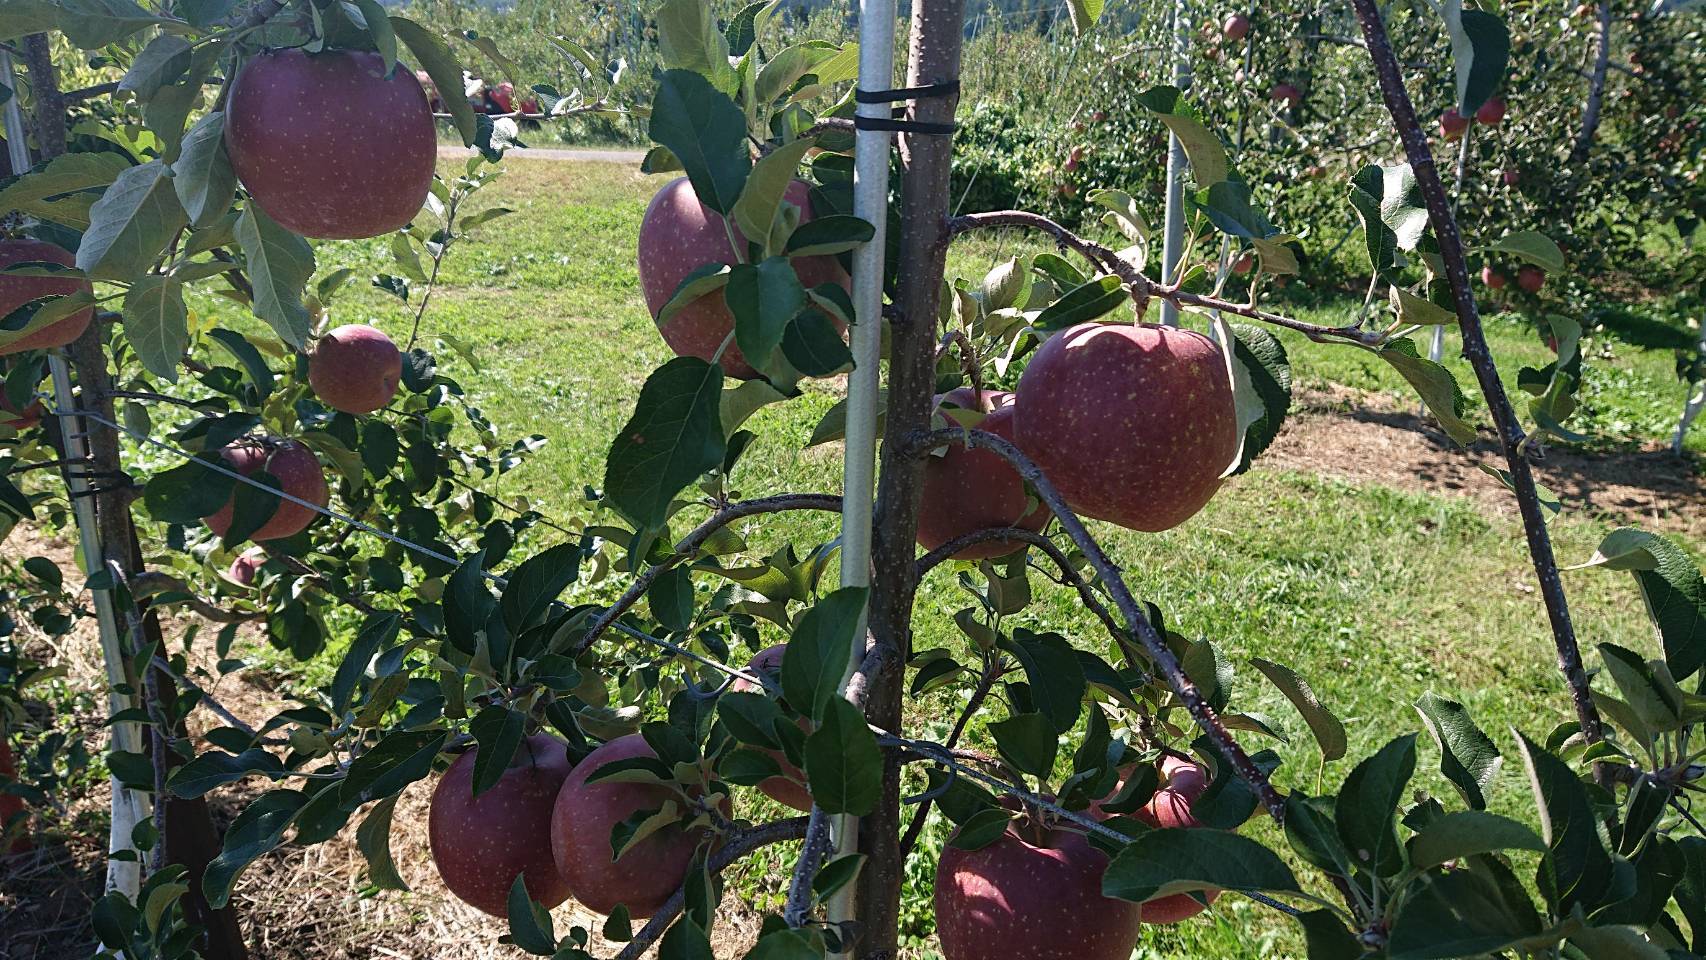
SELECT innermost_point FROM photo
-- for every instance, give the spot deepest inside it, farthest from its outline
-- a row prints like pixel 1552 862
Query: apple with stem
pixel 299 474
pixel 355 369
pixel 678 234
pixel 1133 424
pixel 17 290
pixel 330 144
pixel 1452 124
pixel 246 568
pixel 1287 92
pixel 1183 782
pixel 1236 27
pixel 480 844
pixel 1492 278
pixel 966 490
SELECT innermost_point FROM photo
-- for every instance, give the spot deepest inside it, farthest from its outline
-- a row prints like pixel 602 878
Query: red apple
pixel 1099 116
pixel 19 420
pixel 1244 264
pixel 967 490
pixel 788 789
pixel 1452 124
pixel 299 474
pixel 1132 424
pixel 1069 190
pixel 1492 112
pixel 504 96
pixel 15 291
pixel 1211 53
pixel 246 569
pixel 1183 782
pixel 1236 27
pixel 355 368
pixel 1511 176
pixel 1032 897
pixel 1286 92
pixel 678 235
pixel 1531 278
pixel 481 844
pixel 328 144
pixel 1492 278
pixel 650 871
pixel 11 805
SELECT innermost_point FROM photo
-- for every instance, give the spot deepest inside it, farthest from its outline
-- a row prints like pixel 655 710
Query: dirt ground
pixel 312 904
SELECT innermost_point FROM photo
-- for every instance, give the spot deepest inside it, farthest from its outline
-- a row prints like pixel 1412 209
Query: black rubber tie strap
pixel 904 126
pixel 898 94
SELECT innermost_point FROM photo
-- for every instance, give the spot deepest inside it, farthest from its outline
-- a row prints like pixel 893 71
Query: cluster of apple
pixel 1490 114
pixel 1529 278
pixel 1234 29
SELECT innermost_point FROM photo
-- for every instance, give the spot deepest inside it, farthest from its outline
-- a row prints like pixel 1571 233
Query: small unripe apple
pixel 1133 424
pixel 1452 124
pixel 329 144
pixel 1492 112
pixel 1286 92
pixel 968 490
pixel 1531 278
pixel 650 870
pixel 299 474
pixel 355 369
pixel 481 844
pixel 1492 278
pixel 788 789
pixel 246 568
pixel 1033 894
pixel 15 291
pixel 1236 27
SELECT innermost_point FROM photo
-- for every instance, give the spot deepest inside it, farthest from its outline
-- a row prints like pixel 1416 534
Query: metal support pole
pixel 129 807
pixel 1173 237
pixel 871 203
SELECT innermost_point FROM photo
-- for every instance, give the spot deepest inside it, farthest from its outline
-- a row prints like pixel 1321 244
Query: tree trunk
pixel 1596 86
pixel 926 160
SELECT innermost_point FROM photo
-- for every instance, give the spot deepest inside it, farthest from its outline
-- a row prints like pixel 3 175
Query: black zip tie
pixel 899 94
pixel 905 126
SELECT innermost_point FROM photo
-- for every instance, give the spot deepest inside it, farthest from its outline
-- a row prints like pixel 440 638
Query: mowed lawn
pixel 1375 594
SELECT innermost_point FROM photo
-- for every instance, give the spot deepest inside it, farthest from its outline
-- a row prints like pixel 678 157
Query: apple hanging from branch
pixel 355 368
pixel 789 788
pixel 299 474
pixel 1183 782
pixel 968 490
pixel 480 844
pixel 16 290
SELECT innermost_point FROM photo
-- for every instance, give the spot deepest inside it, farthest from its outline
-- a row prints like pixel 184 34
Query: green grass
pixel 1374 594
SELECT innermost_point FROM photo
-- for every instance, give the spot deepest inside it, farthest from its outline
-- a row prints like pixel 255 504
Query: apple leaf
pixel 1227 205
pixel 1261 386
pixel 498 731
pixel 707 278
pixel 88 24
pixel 530 926
pixel 379 28
pixel 742 30
pixel 674 436
pixel 1533 246
pixel 1082 304
pixel 1464 913
pixel 1085 13
pixel 814 347
pixel 1437 387
pixel 1204 150
pixel 1329 732
pixel 188 492
pixel 820 650
pixel 1467 833
pixel 688 40
pixel 131 223
pixel 1160 863
pixel 280 263
pixel 1672 588
pixel 1028 741
pixel 707 132
pixel 837 233
pixel 659 160
pixel 833 425
pixel 1480 50
pixel 843 762
pixel 43 312
pixel 1056 679
pixel 1367 807
pixel 373 839
pixel 755 211
pixel 763 297
pixel 157 324
pixel 1468 757
pixel 202 174
pixel 72 181
pixel 255 832
pixel 162 61
pixel 441 65
pixel 827 62
pixel 1389 204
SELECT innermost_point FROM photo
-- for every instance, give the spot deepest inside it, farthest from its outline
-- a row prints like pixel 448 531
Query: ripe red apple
pixel 328 144
pixel 1211 53
pixel 1286 92
pixel 15 291
pixel 678 235
pixel 1511 176
pixel 504 96
pixel 355 368
pixel 1070 165
pixel 788 789
pixel 1183 782
pixel 1491 113
pixel 481 844
pixel 967 490
pixel 299 474
pixel 1035 893
pixel 246 568
pixel 1133 424
pixel 19 420
pixel 1452 124
pixel 1244 263
pixel 651 870
pixel 11 805
pixel 1492 278
pixel 1236 27
pixel 1099 116
pixel 1531 278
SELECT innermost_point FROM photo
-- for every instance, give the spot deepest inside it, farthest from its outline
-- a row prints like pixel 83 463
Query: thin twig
pixel 811 858
pixel 1094 603
pixel 153 583
pixel 985 682
pixel 89 93
pixel 1480 357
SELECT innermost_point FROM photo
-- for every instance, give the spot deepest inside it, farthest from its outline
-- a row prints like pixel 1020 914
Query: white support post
pixel 1695 399
pixel 1173 237
pixel 129 807
pixel 870 202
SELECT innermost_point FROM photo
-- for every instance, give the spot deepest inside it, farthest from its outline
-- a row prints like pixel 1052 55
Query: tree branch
pixel 690 545
pixel 1596 86
pixel 1480 357
pixel 1094 603
pixel 738 846
pixel 818 840
pixel 153 583
pixel 89 93
pixel 975 703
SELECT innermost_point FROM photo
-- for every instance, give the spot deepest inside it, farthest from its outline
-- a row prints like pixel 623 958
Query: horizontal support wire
pixel 931 752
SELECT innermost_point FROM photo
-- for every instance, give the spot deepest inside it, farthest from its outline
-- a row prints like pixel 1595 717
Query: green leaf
pixel 1436 386
pixel 670 598
pixel 1367 807
pixel 674 436
pixel 763 297
pixel 1468 757
pixel 377 632
pixel 255 832
pixel 1085 13
pixel 1578 871
pixel 685 941
pixel 1480 50
pixel 814 347
pixel 826 61
pixel 1160 863
pixel 1672 588
pixel 441 65
pixel 836 874
pixel 1468 832
pixel 1082 304
pixel 252 506
pixel 981 829
pixel 1027 741
pixel 688 40
pixel 843 763
pixel 785 943
pixel 706 131
pixel 280 263
pixel 1390 206
pixel 131 224
pixel 1653 696
pixel 1616 943
pixel 202 174
pixel 1204 150
pixel 468 604
pixel 498 730
pixel 536 582
pixel 1311 832
pixel 836 233
pixel 761 198
pixel 188 492
pixel 742 30
pixel 820 650
pixel 63 190
pixel 1329 732
pixel 1326 937
pixel 216 768
pixel 1267 376
pixel 380 29
pixel 1530 245
pixel 1460 914
pixel 157 324
pixel 705 279
pixel 1055 675
pixel 373 839
pixel 88 24
pixel 530 926
pixel 1413 309
pixel 489 47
